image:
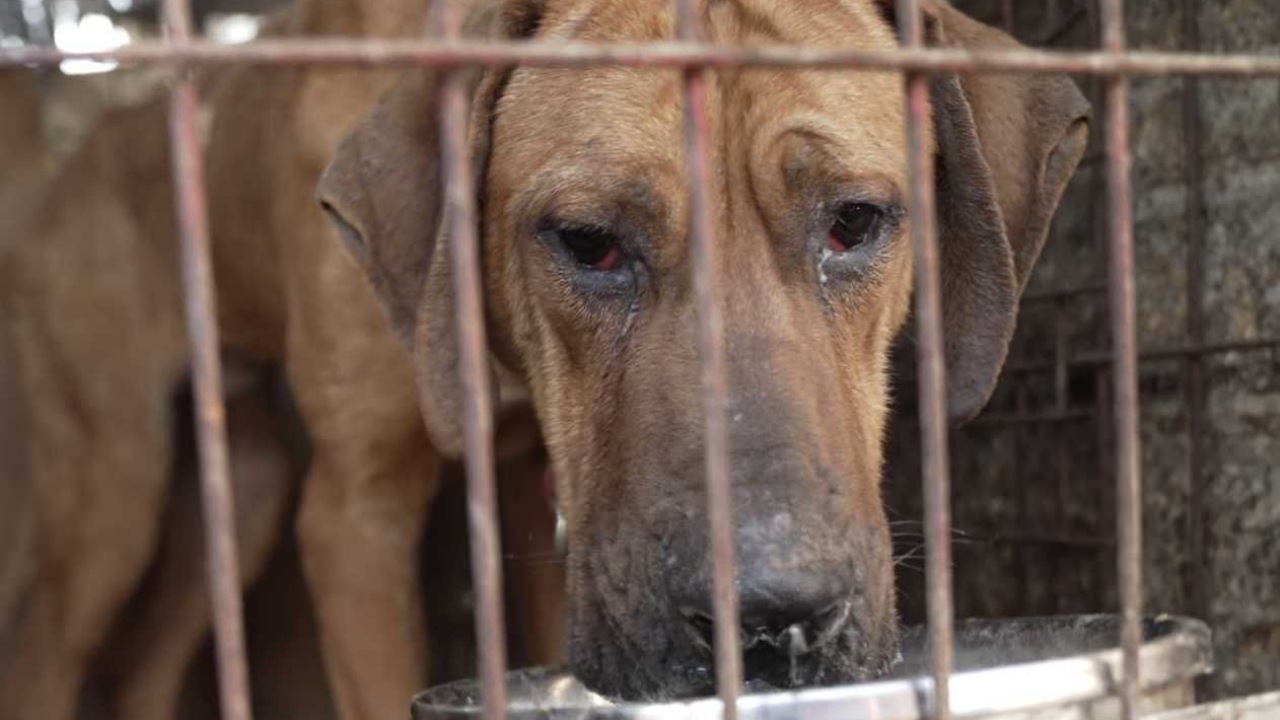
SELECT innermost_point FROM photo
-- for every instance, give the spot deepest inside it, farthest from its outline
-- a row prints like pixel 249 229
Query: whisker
pixel 909 566
pixel 916 531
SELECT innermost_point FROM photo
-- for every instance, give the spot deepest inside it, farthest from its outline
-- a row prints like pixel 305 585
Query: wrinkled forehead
pixel 621 128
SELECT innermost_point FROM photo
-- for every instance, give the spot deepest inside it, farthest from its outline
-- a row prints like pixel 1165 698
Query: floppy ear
pixel 382 194
pixel 1006 147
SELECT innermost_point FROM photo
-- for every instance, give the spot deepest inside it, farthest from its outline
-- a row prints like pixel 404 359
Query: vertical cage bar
pixel 932 372
pixel 1051 22
pixel 1061 454
pixel 1061 387
pixel 199 301
pixel 1103 484
pixel 459 215
pixel 712 371
pixel 1007 16
pixel 1025 556
pixel 1124 349
pixel 1193 169
pixel 1103 410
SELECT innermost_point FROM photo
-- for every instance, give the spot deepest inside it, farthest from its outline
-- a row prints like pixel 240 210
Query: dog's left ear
pixel 1006 147
pixel 382 194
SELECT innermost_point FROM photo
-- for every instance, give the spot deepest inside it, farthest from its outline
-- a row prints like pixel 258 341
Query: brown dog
pixel 85 333
pixel 584 234
pixel 587 287
pixel 289 292
pixel 93 296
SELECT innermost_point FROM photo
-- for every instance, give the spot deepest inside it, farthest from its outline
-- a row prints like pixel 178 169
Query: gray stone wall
pixel 1033 503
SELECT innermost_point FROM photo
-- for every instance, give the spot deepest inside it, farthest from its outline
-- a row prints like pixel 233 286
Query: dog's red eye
pixel 592 247
pixel 855 224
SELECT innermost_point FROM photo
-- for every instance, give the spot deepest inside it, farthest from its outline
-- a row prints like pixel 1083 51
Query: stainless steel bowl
pixel 1026 668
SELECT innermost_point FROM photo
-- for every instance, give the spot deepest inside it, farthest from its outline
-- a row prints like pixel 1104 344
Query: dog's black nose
pixel 791 611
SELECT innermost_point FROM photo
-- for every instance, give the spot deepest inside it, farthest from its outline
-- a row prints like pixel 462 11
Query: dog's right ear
pixel 383 195
pixel 1006 147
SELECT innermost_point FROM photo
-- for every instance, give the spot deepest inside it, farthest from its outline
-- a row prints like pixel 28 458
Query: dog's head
pixel 585 241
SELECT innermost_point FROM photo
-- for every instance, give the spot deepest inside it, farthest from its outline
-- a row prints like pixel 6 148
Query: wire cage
pixel 1109 378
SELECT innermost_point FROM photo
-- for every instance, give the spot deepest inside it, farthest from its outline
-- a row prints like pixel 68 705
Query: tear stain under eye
pixel 633 310
pixel 620 341
pixel 823 256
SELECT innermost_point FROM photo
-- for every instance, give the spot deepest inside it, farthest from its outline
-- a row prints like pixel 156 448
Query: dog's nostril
pixel 775 600
pixel 782 613
pixel 794 640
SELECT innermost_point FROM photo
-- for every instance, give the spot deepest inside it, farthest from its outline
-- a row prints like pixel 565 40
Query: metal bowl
pixel 1027 668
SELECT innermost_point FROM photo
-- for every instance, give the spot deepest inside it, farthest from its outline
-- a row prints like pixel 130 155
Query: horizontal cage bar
pixel 656 55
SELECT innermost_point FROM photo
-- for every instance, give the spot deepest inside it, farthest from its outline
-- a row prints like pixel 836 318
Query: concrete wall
pixel 1054 479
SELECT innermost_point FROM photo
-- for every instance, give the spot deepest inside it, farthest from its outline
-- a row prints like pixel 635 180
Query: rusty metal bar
pixel 1007 16
pixel 199 301
pixel 459 214
pixel 1103 484
pixel 931 370
pixel 655 55
pixel 1061 455
pixel 1060 376
pixel 1125 348
pixel 1196 580
pixel 1049 22
pixel 703 250
pixel 1022 491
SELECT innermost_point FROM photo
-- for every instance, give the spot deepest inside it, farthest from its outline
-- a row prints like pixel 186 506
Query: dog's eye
pixel 855 224
pixel 590 247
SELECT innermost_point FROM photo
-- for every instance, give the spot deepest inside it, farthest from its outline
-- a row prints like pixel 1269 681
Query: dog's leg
pixel 367 494
pixel 358 531
pixel 158 638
